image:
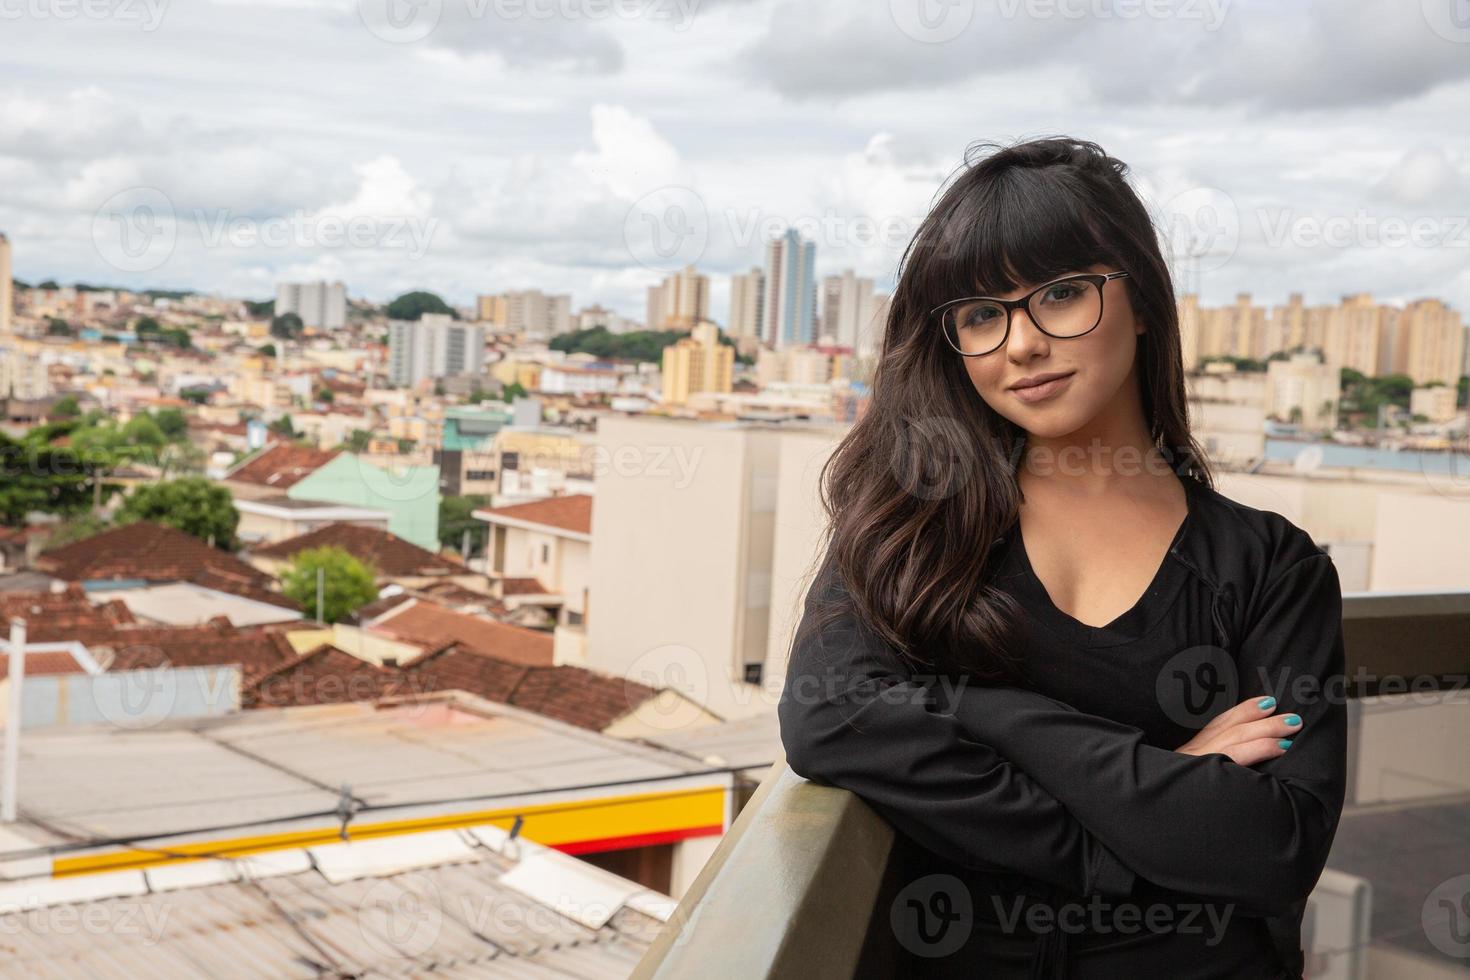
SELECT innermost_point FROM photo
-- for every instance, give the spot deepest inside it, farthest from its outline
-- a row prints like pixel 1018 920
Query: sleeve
pixel 851 716
pixel 1204 825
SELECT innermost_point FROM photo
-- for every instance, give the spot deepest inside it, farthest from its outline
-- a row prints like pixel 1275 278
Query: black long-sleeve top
pixel 1070 786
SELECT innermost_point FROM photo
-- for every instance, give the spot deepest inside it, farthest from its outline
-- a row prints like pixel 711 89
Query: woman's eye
pixel 1057 294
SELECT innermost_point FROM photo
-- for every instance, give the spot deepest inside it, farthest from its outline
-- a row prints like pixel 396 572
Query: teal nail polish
pixel 1293 720
pixel 1285 743
pixel 1265 703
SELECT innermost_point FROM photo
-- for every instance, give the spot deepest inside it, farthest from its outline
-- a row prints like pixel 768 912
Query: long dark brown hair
pixel 925 482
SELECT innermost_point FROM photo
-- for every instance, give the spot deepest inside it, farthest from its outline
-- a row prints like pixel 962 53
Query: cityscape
pixel 415 425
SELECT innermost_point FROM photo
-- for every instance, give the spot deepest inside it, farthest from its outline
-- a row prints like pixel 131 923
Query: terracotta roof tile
pixel 45 664
pixel 574 695
pixel 572 512
pixel 53 617
pixel 392 556
pixel 430 625
pixel 522 586
pixel 324 675
pixel 257 651
pixel 154 553
pixel 280 465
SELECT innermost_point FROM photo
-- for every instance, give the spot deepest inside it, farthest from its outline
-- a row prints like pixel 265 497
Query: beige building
pixel 1436 403
pixel 1303 390
pixel 1432 344
pixel 679 302
pixel 540 555
pixel 747 292
pixel 699 362
pixel 7 296
pixel 527 311
pixel 1227 412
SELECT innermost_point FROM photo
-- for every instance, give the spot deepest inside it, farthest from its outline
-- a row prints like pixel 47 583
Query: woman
pixel 1088 690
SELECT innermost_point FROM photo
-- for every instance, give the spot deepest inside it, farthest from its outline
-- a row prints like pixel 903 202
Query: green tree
pixel 171 422
pixel 283 426
pixel 192 504
pixel 36 476
pixel 146 325
pixel 357 440
pixel 346 583
pixel 57 327
pixel 261 307
pixel 67 407
pixel 411 306
pixel 286 326
pixel 456 517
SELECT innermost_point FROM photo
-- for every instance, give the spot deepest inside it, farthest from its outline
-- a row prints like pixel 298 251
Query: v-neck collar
pixel 1140 618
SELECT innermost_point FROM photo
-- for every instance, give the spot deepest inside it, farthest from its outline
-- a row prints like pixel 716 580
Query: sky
pixel 593 146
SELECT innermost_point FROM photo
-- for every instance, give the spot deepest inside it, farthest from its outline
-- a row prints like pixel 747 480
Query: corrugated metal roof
pixel 454 920
pixel 273 764
pixel 744 742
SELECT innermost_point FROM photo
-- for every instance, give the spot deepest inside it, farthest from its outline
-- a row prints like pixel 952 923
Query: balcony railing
pixel 797 886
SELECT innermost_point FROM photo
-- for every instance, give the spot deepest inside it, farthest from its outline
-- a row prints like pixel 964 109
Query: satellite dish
pixel 1308 459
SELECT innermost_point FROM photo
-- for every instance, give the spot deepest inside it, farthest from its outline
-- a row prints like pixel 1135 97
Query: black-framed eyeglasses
pixel 1063 308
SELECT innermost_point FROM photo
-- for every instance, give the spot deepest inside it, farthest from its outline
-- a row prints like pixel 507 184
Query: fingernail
pixel 1285 743
pixel 1293 720
pixel 1265 703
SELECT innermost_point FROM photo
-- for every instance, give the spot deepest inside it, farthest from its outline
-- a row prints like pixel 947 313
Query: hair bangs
pixel 1027 228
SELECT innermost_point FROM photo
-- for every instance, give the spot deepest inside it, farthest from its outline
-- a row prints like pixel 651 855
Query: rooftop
pixel 570 513
pixel 389 554
pixel 280 464
pixel 148 552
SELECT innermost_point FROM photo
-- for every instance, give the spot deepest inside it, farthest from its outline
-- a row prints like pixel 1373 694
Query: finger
pixel 1277 726
pixel 1259 750
pixel 1251 709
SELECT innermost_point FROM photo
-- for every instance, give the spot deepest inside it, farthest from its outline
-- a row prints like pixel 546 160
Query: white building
pixel 7 299
pixel 319 304
pixel 848 305
pixel 434 346
pixel 22 376
pixel 747 293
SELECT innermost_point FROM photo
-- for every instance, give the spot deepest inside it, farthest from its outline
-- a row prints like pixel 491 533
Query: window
pixel 545 553
pixel 574 618
pixel 753 673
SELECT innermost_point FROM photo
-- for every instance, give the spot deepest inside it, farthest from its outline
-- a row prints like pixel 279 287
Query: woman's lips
pixel 1043 391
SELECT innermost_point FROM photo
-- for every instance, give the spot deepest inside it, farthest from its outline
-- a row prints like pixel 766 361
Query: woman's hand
pixel 1248 733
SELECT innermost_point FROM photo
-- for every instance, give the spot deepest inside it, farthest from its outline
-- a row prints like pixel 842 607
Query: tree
pixel 260 307
pixel 283 426
pixel 67 407
pixel 287 326
pixel 192 504
pixel 57 327
pixel 346 583
pixel 36 476
pixel 456 517
pixel 171 422
pixel 146 325
pixel 411 306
